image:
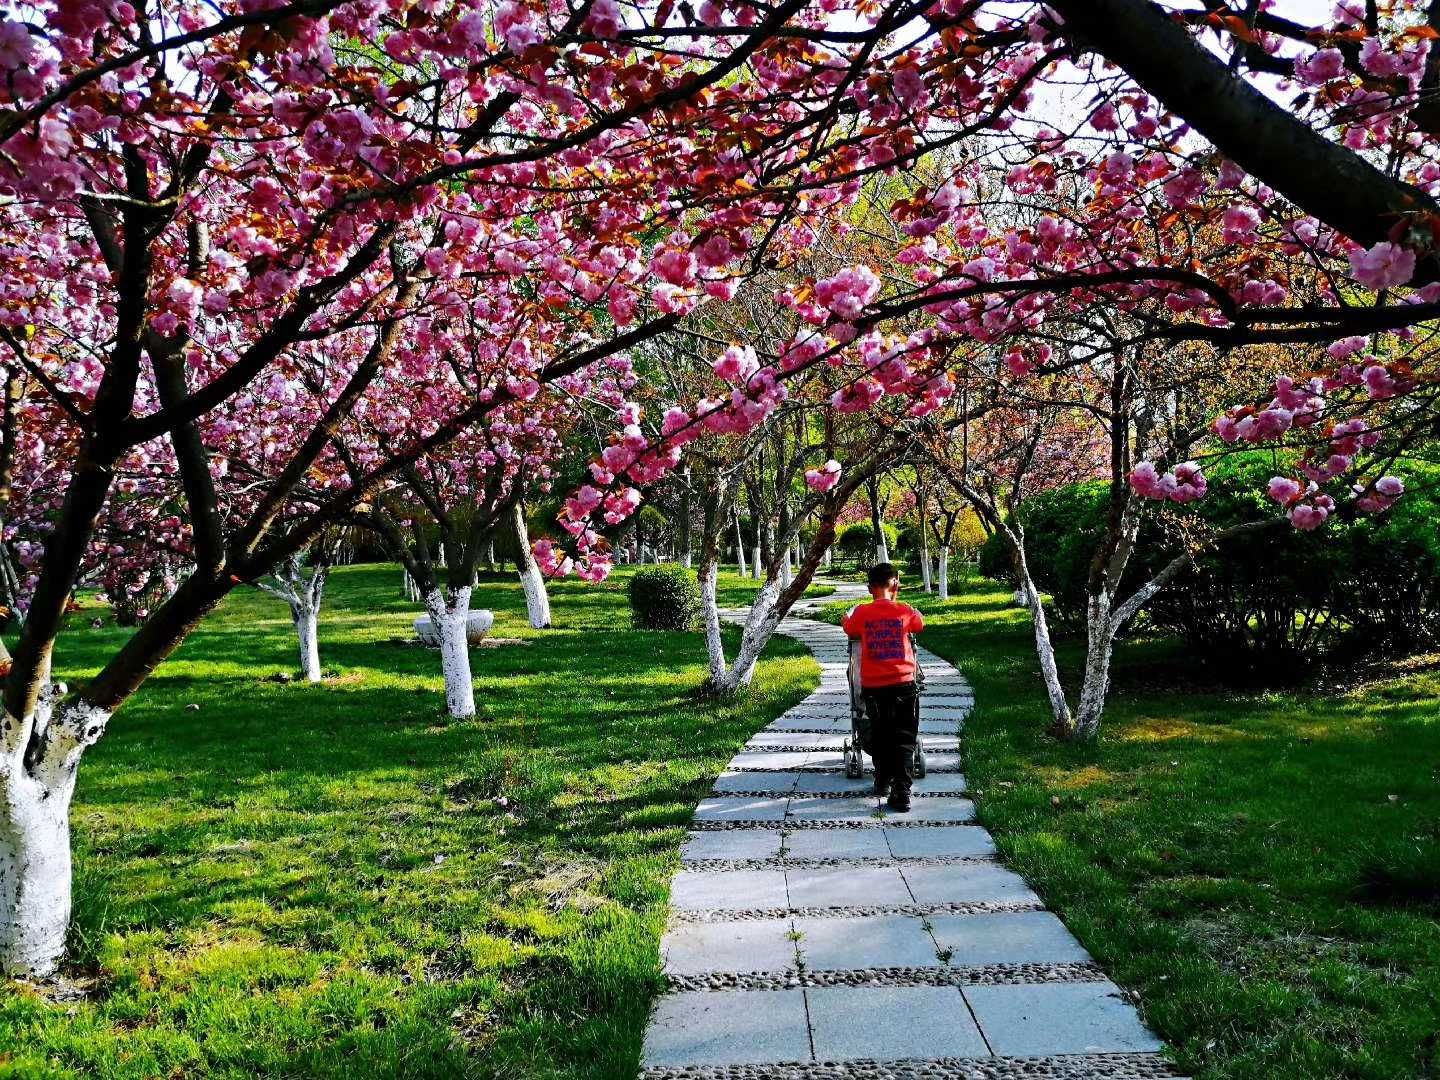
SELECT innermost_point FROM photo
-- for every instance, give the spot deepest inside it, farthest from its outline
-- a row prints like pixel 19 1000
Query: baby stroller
pixel 854 747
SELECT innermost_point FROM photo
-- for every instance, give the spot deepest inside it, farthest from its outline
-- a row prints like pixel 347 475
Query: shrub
pixel 664 598
pixel 1387 589
pixel 1259 604
pixel 857 542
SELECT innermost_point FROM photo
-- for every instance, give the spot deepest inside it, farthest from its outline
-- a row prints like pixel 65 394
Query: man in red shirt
pixel 887 682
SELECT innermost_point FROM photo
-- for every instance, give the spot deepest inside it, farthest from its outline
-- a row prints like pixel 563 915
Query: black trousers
pixel 893 723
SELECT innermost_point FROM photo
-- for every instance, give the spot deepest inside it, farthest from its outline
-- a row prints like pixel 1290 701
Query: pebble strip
pixel 979 907
pixel 989 975
pixel 1069 1067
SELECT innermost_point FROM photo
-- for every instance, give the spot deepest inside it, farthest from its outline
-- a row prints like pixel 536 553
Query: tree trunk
pixel 449 619
pixel 882 549
pixel 537 598
pixel 710 614
pixel 34 874
pixel 942 563
pixel 759 627
pixel 740 547
pixel 683 537
pixel 1099 648
pixel 1044 649
pixel 925 581
pixel 307 626
pixel 757 571
pixel 36 788
pixel 773 603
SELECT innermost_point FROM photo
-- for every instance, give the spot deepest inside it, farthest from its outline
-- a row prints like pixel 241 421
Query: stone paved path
pixel 813 937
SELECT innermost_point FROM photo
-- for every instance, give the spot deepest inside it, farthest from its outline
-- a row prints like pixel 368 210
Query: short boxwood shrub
pixel 664 598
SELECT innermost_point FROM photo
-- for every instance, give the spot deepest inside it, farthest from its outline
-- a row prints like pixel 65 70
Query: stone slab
pixel 728 890
pixel 872 941
pixel 728 1027
pixel 941 808
pixel 833 782
pixel 938 727
pixel 1009 937
pixel 733 844
pixel 953 701
pixel 928 712
pixel 746 945
pixel 801 723
pixel 793 738
pixel 940 781
pixel 741 808
pixel 780 782
pixel 836 844
pixel 846 886
pixel 891 1022
pixel 966 883
pixel 817 809
pixel 1059 1018
pixel 779 760
pixel 958 842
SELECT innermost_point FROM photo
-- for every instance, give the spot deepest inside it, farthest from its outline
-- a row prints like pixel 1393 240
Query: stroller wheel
pixel 919 763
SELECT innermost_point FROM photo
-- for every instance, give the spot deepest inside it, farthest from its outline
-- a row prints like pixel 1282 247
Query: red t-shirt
pixel 883 628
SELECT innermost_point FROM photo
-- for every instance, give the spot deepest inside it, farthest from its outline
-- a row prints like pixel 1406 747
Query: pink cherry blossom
pixel 1383 266
pixel 1283 489
pixel 824 478
pixel 847 293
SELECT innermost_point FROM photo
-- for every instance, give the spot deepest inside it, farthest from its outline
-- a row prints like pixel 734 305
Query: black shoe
pixel 899 801
pixel 882 788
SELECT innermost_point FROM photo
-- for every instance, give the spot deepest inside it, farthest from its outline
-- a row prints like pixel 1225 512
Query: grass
pixel 336 880
pixel 1263 869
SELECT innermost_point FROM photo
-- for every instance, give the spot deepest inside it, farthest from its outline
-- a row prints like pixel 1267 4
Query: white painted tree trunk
pixel 943 564
pixel 35 875
pixel 760 626
pixel 35 796
pixel 1045 653
pixel 926 582
pixel 1101 626
pixel 825 560
pixel 449 619
pixel 537 597
pixel 882 550
pixel 710 615
pixel 756 571
pixel 304 593
pixel 307 627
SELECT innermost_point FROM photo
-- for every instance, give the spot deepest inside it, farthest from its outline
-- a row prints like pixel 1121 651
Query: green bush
pixel 1259 603
pixel 857 542
pixel 664 598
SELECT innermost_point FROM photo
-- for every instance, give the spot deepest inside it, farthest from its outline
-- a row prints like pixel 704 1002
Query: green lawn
pixel 336 880
pixel 1264 869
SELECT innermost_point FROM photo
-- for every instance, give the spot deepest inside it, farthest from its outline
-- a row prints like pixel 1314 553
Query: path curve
pixel 814 938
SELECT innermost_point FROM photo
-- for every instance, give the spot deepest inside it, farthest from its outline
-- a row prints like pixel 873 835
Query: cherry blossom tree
pixel 424 212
